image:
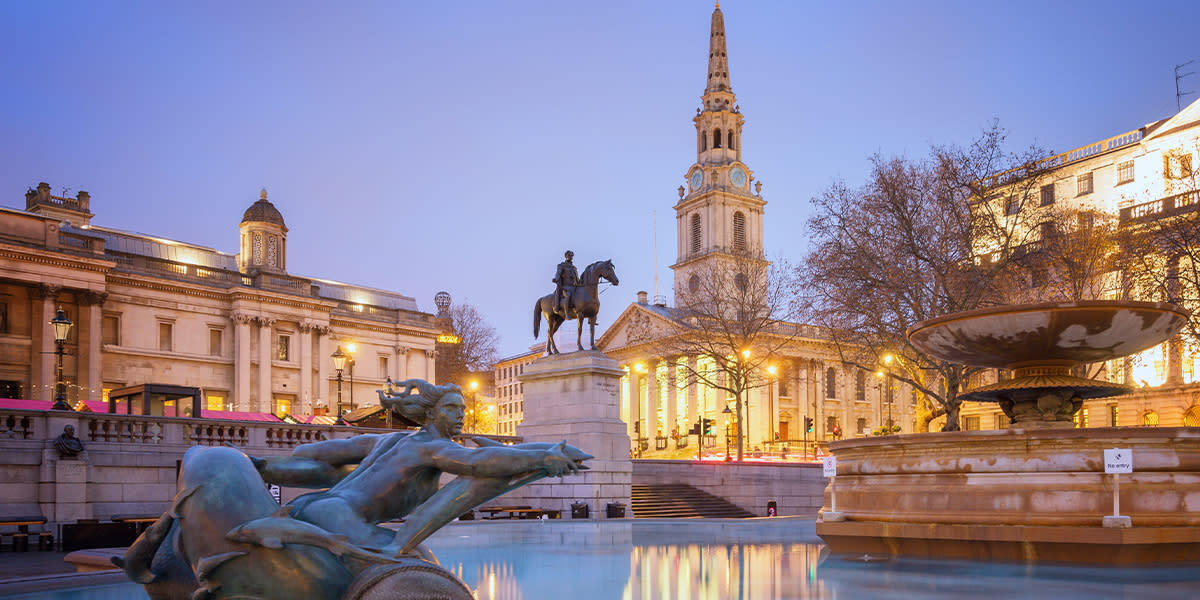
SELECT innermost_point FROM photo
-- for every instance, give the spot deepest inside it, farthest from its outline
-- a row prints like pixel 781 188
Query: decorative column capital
pixel 431 354
pixel 45 291
pixel 241 318
pixel 402 350
pixel 265 321
pixel 322 329
pixel 92 298
pixel 305 326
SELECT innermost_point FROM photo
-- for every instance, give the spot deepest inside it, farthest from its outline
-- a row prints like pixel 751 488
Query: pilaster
pixel 322 359
pixel 241 360
pixel 94 301
pixel 306 358
pixel 41 372
pixel 401 363
pixel 263 401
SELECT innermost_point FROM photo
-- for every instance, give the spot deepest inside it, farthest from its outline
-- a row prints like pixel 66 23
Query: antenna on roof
pixel 1178 94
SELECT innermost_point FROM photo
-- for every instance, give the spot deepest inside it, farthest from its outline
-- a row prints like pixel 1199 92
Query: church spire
pixel 718 64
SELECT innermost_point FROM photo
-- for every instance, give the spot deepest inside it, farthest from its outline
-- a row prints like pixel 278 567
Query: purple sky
pixel 425 146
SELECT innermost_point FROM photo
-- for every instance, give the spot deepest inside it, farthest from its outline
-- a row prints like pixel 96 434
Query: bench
pixel 140 522
pixel 517 512
pixel 20 539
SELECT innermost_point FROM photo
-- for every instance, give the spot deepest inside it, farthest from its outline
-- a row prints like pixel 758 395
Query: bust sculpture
pixel 67 444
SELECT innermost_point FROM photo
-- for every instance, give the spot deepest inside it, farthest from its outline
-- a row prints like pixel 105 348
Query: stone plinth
pixel 574 397
pixel 1027 495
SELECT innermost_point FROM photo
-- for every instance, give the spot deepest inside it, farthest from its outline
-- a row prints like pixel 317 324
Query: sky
pixel 465 145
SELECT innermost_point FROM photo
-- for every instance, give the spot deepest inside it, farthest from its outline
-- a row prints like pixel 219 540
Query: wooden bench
pixel 141 522
pixel 20 539
pixel 517 512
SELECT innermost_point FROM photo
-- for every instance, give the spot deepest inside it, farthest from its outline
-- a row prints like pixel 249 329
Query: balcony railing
pixel 1163 207
pixel 1065 158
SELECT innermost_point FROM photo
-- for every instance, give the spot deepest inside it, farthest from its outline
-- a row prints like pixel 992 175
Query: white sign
pixel 830 466
pixel 1118 460
pixel 275 492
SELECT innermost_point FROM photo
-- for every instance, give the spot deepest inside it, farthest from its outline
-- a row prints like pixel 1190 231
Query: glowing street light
pixel 61 325
pixel 339 363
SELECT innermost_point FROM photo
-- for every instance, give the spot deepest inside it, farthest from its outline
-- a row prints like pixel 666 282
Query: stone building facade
pixel 252 336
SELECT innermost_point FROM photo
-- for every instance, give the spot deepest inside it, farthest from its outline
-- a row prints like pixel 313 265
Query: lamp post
pixel 474 407
pixel 61 325
pixel 728 412
pixel 339 363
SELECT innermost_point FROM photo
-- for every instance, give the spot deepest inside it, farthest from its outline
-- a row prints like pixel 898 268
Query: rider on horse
pixel 566 279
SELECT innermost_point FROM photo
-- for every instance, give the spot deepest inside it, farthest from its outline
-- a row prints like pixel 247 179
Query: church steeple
pixel 718 64
pixel 717 215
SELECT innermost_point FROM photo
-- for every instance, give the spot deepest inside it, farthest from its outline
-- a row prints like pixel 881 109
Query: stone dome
pixel 263 211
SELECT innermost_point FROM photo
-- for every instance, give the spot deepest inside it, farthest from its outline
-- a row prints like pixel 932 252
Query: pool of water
pixel 728 559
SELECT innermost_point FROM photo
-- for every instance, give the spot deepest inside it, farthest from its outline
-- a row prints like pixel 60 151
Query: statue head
pixel 69 431
pixel 441 405
pixel 569 255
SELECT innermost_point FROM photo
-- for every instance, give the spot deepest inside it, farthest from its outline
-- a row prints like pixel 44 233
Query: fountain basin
pixel 1023 495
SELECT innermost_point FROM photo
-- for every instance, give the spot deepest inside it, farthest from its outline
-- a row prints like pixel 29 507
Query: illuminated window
pixel 860 386
pixel 215 402
pixel 1083 184
pixel 970 423
pixel 1191 418
pixel 1149 367
pixel 1113 416
pixel 283 406
pixel 1124 172
pixel 739 231
pixel 1150 419
pixel 284 350
pixel 1002 421
pixel 1048 194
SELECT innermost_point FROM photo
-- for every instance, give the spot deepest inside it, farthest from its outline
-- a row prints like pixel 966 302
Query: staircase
pixel 681 501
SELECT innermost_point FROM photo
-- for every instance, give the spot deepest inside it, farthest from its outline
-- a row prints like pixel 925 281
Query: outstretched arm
pixel 502 461
pixel 317 464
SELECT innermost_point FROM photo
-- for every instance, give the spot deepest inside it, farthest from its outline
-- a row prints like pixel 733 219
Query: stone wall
pixel 797 489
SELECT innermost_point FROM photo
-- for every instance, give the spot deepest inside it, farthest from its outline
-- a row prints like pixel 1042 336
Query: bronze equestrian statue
pixel 582 302
pixel 225 537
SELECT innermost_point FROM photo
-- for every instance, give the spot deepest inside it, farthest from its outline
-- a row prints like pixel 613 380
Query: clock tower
pixel 718 219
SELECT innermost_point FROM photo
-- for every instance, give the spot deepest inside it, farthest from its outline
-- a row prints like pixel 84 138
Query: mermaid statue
pixel 224 536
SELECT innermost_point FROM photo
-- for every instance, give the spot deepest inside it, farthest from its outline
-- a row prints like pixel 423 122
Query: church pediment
pixel 637 324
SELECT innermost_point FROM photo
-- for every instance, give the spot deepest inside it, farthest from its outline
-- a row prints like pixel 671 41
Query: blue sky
pixel 463 145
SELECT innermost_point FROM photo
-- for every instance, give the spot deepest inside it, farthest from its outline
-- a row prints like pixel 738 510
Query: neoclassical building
pixel 720 214
pixel 251 335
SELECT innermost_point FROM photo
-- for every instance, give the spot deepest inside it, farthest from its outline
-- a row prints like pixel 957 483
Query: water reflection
pixel 730 571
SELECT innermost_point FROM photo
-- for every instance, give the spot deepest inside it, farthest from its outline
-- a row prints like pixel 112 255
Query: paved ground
pixel 32 564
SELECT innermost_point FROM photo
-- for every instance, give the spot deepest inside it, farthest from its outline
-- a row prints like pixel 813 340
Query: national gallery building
pixel 251 336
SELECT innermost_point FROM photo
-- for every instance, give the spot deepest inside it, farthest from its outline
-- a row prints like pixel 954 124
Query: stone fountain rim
pixel 1013 309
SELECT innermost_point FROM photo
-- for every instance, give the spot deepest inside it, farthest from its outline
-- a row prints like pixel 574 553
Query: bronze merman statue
pixel 227 530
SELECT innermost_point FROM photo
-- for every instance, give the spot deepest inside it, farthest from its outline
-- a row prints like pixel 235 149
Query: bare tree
pixel 475 350
pixel 921 239
pixel 737 314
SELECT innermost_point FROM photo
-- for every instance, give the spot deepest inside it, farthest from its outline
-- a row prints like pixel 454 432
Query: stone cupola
pixel 263 238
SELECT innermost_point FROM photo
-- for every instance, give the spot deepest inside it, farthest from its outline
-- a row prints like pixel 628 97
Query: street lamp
pixel 61 325
pixel 728 412
pixel 339 363
pixel 474 405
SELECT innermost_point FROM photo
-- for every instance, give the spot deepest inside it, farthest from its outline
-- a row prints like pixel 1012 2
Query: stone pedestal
pixel 574 397
pixel 67 482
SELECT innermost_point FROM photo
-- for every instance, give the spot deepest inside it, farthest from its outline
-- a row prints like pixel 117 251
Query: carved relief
pixel 265 321
pixel 430 354
pixel 91 298
pixel 639 328
pixel 46 292
pixel 402 350
pixel 241 318
pixel 306 327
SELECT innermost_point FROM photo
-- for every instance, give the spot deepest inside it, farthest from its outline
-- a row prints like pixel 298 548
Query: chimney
pixel 641 297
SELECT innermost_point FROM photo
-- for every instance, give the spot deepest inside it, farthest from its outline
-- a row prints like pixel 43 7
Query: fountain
pixel 1037 491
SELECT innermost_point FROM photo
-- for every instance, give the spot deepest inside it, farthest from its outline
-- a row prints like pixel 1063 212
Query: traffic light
pixel 808 424
pixel 707 426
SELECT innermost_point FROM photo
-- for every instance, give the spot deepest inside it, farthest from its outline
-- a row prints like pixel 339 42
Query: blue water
pixel 731 559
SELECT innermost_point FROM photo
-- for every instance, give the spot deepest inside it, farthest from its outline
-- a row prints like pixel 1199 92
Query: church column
pixel 323 365
pixel 693 394
pixel 263 403
pixel 41 373
pixel 430 355
pixel 672 400
pixel 652 400
pixel 401 363
pixel 633 397
pixel 306 358
pixel 94 382
pixel 241 361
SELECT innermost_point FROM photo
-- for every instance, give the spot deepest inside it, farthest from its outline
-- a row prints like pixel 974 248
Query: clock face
pixel 737 176
pixel 697 178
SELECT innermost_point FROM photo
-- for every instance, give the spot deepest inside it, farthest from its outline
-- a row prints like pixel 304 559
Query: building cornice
pixel 55 259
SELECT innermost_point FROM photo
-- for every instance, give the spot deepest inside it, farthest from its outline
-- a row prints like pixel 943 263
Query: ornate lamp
pixel 61 325
pixel 339 363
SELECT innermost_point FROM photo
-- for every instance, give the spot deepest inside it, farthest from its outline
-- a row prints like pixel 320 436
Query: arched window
pixel 693 283
pixel 696 233
pixel 860 385
pixel 1191 418
pixel 729 140
pixel 1150 419
pixel 716 138
pixel 258 248
pixel 739 231
pixel 703 141
pixel 830 383
pixel 741 281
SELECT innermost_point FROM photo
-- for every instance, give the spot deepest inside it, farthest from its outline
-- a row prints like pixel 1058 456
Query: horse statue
pixel 584 304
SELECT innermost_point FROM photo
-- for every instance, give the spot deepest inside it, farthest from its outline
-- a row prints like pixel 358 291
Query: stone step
pixel 681 501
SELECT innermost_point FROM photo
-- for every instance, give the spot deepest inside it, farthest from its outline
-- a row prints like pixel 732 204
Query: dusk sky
pixel 464 145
